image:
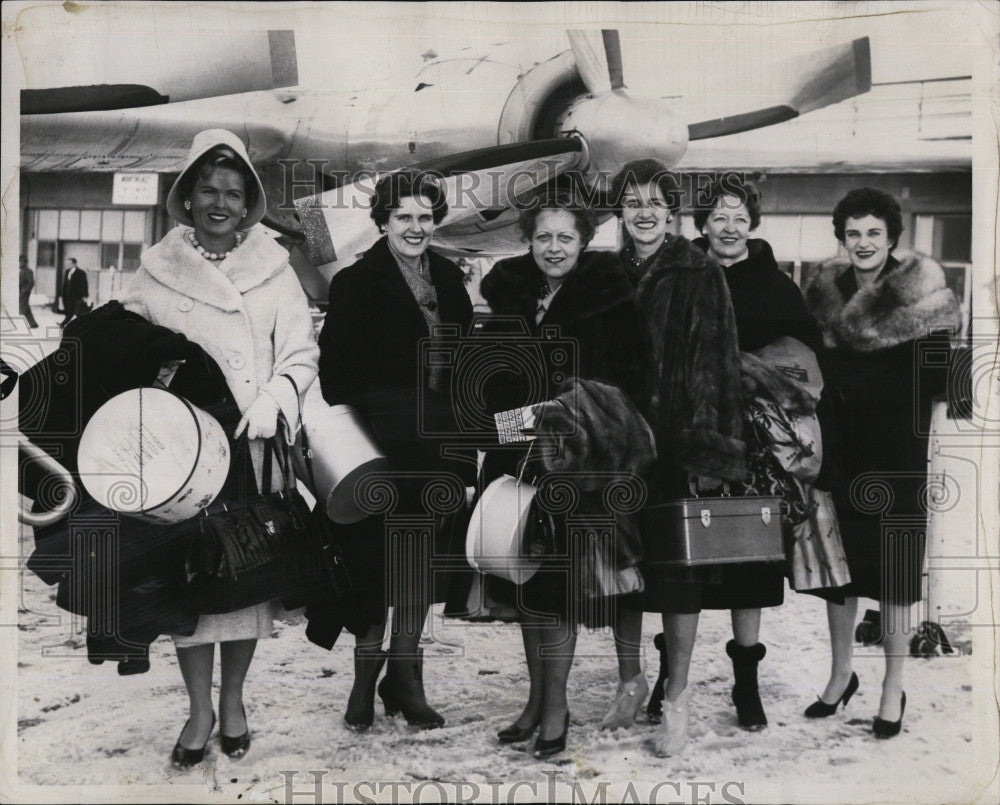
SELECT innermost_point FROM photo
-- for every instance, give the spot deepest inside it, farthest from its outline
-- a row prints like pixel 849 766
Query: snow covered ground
pixel 83 727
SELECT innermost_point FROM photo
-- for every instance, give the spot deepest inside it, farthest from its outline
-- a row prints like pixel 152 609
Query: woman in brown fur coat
pixel 694 407
pixel 874 310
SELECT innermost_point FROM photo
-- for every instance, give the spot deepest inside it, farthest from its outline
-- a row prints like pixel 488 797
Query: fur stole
pixel 906 303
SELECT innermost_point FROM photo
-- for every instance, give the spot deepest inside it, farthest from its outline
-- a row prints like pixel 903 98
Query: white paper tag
pixel 515 425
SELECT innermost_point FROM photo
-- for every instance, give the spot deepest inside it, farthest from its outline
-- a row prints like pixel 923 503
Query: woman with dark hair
pixel 767 305
pixel 694 408
pixel 874 309
pixel 586 296
pixel 225 284
pixel 380 309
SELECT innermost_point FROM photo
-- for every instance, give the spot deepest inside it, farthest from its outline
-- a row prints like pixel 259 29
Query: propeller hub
pixel 618 127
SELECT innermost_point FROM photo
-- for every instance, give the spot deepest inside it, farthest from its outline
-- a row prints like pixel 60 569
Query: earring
pixel 187 205
pixel 244 213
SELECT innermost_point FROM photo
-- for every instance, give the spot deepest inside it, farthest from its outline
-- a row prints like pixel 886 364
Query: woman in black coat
pixel 875 311
pixel 559 291
pixel 767 305
pixel 371 358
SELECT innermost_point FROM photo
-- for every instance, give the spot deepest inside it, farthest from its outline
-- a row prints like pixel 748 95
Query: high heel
pixel 628 700
pixel 746 693
pixel 361 703
pixel 550 747
pixel 235 746
pixel 184 758
pixel 403 692
pixel 654 709
pixel 890 729
pixel 820 709
pixel 515 734
pixel 672 737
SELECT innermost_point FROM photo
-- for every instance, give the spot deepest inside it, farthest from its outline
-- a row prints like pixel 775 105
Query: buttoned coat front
pixel 249 313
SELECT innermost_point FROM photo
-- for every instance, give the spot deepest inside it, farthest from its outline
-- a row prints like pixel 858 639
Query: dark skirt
pixel 688 590
pixel 395 561
pixel 886 561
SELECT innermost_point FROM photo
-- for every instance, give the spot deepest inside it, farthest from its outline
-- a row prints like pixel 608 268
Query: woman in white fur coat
pixel 225 284
pixel 875 310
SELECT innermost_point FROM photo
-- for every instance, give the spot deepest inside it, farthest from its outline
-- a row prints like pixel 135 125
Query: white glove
pixel 260 420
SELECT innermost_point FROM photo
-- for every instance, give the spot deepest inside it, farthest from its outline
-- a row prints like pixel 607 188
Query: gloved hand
pixel 260 420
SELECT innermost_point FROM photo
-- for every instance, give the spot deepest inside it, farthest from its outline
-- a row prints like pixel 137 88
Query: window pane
pixel 69 225
pixel 130 260
pixel 955 238
pixel 48 224
pixel 782 232
pixel 135 226
pixel 109 255
pixel 111 226
pixel 90 225
pixel 818 240
pixel 46 254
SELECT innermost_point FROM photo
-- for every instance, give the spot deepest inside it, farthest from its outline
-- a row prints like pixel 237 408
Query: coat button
pixel 185 305
pixel 237 361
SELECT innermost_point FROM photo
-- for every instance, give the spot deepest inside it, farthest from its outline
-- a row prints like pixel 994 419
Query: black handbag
pixel 259 547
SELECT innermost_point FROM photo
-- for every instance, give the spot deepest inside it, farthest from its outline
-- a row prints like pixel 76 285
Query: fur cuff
pixel 708 453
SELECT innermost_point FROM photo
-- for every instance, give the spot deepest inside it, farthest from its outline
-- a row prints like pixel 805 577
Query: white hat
pixel 205 141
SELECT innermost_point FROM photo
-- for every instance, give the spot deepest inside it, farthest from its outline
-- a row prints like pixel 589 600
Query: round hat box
pixel 496 531
pixel 342 454
pixel 150 454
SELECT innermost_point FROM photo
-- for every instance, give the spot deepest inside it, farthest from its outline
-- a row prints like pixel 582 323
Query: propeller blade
pixel 734 124
pixel 159 67
pixel 598 59
pixel 821 78
pixel 613 50
pixel 338 227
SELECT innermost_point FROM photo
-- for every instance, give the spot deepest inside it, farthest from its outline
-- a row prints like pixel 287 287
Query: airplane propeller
pixel 598 56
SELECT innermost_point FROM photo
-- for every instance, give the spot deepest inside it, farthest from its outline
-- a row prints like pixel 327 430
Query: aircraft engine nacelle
pixel 619 127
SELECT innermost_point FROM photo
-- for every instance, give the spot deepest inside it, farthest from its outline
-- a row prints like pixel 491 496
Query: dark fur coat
pixel 594 308
pixel 694 393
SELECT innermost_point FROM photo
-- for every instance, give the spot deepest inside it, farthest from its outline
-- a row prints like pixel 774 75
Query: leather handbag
pixel 263 546
pixel 716 530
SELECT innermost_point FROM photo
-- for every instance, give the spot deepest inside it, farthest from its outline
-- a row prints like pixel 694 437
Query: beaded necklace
pixel 212 255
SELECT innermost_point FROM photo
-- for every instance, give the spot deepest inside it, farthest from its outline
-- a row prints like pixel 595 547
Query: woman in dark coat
pixel 768 305
pixel 586 298
pixel 370 358
pixel 694 407
pixel 874 311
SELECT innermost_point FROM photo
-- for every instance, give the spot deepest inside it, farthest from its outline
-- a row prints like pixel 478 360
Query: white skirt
pixel 252 623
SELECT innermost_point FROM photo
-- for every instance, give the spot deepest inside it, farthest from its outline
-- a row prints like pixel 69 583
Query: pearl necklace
pixel 212 255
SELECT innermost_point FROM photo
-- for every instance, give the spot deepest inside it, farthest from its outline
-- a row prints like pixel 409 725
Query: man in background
pixel 26 283
pixel 76 291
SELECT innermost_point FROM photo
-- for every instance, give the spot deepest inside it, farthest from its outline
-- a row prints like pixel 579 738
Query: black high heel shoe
pixel 236 747
pixel 545 748
pixel 515 734
pixel 890 729
pixel 184 758
pixel 820 709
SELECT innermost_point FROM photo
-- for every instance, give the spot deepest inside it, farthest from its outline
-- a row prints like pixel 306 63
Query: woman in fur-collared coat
pixel 875 311
pixel 227 286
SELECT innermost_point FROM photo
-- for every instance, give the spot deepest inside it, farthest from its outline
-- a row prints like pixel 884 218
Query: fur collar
pixel 175 263
pixel 905 303
pixel 597 284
